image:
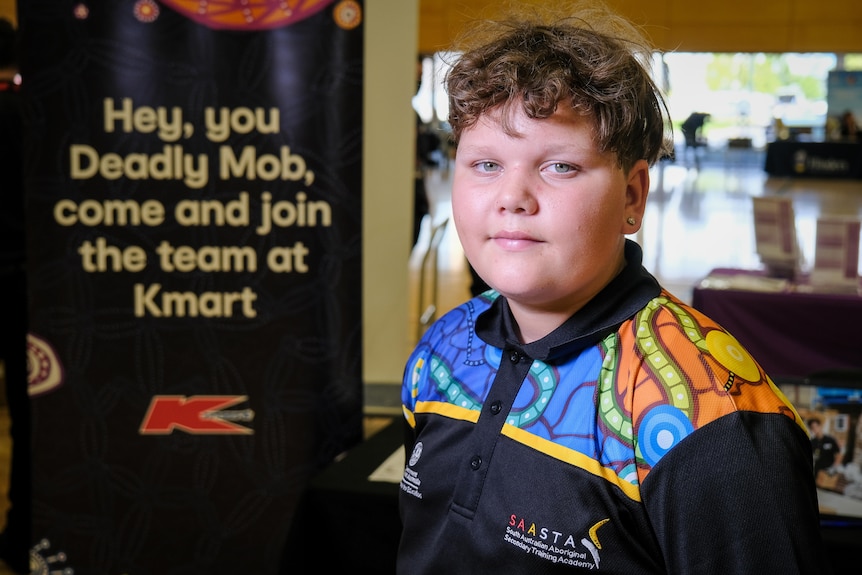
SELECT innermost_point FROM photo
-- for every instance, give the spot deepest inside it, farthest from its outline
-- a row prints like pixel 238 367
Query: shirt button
pixel 496 407
pixel 514 357
pixel 476 462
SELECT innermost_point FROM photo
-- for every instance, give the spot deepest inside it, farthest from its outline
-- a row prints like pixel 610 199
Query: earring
pixel 631 221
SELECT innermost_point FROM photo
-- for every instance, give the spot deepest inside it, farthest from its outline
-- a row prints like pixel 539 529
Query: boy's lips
pixel 514 239
pixel 513 235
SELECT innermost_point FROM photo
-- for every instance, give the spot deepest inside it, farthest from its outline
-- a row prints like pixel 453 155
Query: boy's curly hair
pixel 593 60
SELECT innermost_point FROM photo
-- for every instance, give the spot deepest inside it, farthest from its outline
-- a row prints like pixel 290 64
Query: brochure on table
pixel 836 254
pixel 775 236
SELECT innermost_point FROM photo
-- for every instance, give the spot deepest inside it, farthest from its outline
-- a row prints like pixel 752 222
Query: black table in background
pixel 345 522
pixel 814 159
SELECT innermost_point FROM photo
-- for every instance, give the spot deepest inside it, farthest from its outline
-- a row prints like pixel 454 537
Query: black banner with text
pixel 194 209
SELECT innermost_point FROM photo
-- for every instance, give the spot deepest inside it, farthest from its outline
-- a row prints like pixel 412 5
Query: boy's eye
pixel 488 166
pixel 561 168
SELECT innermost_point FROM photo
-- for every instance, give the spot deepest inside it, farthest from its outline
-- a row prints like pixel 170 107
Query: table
pixel 814 159
pixel 345 522
pixel 792 334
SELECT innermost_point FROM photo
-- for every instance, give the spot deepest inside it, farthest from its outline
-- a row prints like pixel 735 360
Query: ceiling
pixel 686 26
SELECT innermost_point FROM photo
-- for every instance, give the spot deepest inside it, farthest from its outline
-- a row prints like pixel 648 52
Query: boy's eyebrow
pixel 567 146
pixel 557 146
pixel 479 149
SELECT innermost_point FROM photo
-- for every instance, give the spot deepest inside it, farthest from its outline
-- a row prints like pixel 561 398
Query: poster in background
pixel 844 92
pixel 193 181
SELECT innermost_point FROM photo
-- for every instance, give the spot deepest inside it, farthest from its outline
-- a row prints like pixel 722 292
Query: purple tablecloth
pixel 791 334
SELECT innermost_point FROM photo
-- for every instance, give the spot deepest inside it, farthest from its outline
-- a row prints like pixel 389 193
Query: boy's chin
pixel 521 292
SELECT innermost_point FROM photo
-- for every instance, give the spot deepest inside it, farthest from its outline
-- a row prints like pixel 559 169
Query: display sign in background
pixel 844 92
pixel 194 220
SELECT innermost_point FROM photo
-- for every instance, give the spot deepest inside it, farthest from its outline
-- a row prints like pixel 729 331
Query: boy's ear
pixel 637 190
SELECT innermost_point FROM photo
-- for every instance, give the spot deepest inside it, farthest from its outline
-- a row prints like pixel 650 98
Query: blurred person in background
pixel 849 126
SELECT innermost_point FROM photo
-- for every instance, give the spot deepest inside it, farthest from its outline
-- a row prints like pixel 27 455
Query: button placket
pixel 487 431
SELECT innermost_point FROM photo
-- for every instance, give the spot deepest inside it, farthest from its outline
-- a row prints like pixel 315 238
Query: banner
pixel 194 209
pixel 844 93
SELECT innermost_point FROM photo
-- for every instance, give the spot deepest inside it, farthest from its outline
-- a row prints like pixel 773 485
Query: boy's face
pixel 542 216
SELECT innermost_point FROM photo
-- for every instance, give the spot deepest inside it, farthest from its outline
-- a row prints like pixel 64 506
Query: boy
pixel 577 417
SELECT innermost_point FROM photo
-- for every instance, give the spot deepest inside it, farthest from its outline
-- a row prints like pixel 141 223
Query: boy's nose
pixel 518 192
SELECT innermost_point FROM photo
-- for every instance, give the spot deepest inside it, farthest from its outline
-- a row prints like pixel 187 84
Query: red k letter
pixel 198 414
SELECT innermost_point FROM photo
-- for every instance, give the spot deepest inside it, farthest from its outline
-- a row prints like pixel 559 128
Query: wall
pixel 8 11
pixel 391 30
pixel 685 26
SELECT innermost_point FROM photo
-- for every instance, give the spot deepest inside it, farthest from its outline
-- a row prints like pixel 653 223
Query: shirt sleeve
pixel 738 496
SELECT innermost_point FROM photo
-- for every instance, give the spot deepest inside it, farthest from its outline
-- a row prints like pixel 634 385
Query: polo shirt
pixel 638 437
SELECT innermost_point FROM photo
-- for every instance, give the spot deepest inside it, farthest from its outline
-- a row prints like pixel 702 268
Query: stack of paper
pixel 775 236
pixel 836 254
pixel 744 281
